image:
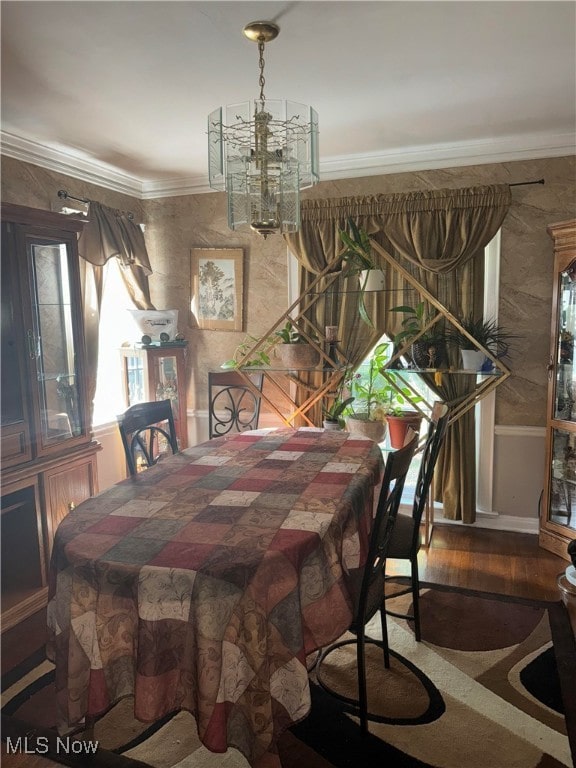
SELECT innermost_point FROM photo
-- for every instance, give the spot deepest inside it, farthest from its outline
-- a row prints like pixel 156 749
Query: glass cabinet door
pixel 558 504
pixel 565 399
pixel 51 342
pixel 562 501
pixel 12 385
pixel 134 379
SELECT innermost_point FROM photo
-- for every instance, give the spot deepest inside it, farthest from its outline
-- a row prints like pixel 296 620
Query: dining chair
pixel 147 431
pixel 406 539
pixel 366 584
pixel 234 401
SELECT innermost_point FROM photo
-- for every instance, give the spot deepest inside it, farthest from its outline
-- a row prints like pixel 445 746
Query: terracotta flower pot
pixel 398 427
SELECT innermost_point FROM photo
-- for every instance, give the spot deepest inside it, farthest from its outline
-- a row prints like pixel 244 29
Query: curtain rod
pixel 524 183
pixel 65 196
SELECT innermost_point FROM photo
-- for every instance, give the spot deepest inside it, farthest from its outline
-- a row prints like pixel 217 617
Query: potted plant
pixel 358 256
pixel 428 348
pixel 488 334
pixel 371 395
pixel 333 413
pixel 399 418
pixel 294 350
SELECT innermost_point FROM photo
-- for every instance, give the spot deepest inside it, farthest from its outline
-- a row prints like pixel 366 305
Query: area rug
pixel 492 685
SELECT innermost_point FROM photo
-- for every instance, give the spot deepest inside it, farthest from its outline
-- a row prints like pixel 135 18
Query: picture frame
pixel 217 285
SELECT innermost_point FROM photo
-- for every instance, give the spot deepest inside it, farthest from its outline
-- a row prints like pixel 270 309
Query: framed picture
pixel 217 286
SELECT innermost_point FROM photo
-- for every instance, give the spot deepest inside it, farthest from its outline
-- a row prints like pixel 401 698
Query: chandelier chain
pixel 261 80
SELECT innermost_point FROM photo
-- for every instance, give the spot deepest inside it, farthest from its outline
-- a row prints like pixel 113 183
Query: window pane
pixel 116 327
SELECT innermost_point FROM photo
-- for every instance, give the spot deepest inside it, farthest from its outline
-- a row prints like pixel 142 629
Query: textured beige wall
pixel 177 224
pixel 27 184
pixel 174 225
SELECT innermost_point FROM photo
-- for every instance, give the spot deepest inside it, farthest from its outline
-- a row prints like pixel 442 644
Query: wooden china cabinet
pixel 558 509
pixel 47 451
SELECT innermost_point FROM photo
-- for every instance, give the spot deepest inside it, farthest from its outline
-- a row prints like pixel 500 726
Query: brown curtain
pixel 436 235
pixel 109 234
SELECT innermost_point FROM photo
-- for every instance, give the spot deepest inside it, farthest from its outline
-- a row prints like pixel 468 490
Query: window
pixel 116 327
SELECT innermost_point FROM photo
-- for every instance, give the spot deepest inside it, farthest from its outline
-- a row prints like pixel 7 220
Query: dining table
pixel 205 582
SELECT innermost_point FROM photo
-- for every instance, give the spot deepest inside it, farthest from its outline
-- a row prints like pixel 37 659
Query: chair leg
pixel 416 598
pixel 362 692
pixel 385 645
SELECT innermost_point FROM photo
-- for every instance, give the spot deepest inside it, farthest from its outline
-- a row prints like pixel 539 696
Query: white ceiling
pixel 119 92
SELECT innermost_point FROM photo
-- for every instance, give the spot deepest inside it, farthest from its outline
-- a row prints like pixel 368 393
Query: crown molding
pixel 402 160
pixel 193 185
pixel 70 164
pixel 456 154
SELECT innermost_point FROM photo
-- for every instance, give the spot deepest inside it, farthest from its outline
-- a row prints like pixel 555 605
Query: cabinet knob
pixel 71 506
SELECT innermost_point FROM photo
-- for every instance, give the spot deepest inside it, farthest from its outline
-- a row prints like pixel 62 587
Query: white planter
pixel 372 279
pixel 472 359
pixel 374 430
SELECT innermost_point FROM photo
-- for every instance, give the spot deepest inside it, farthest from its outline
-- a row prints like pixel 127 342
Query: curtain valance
pixel 110 233
pixel 437 230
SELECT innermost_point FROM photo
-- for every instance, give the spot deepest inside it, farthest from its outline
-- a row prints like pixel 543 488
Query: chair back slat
pixel 395 472
pixel 234 401
pixel 143 427
pixel 436 434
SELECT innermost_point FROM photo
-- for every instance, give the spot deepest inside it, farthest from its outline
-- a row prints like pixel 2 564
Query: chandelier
pixel 263 152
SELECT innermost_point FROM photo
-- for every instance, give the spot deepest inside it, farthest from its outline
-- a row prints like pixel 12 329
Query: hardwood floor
pixel 490 561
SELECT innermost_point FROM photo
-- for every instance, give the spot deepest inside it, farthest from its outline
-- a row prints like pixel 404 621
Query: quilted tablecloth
pixel 204 582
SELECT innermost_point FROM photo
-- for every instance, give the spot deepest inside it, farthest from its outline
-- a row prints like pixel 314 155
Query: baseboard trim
pixel 496 522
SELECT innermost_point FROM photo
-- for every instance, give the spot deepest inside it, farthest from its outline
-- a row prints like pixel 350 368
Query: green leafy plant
pixel 370 390
pixel 337 408
pixel 375 395
pixel 261 358
pixel 289 335
pixel 358 256
pixel 488 333
pixel 428 344
pixel 417 319
pixel 400 398
pixel 358 251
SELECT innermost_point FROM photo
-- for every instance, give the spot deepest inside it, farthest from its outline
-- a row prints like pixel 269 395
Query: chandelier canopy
pixel 263 152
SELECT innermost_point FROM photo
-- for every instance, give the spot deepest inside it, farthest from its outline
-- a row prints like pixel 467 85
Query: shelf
pixel 274 369
pixel 449 371
pixel 310 316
